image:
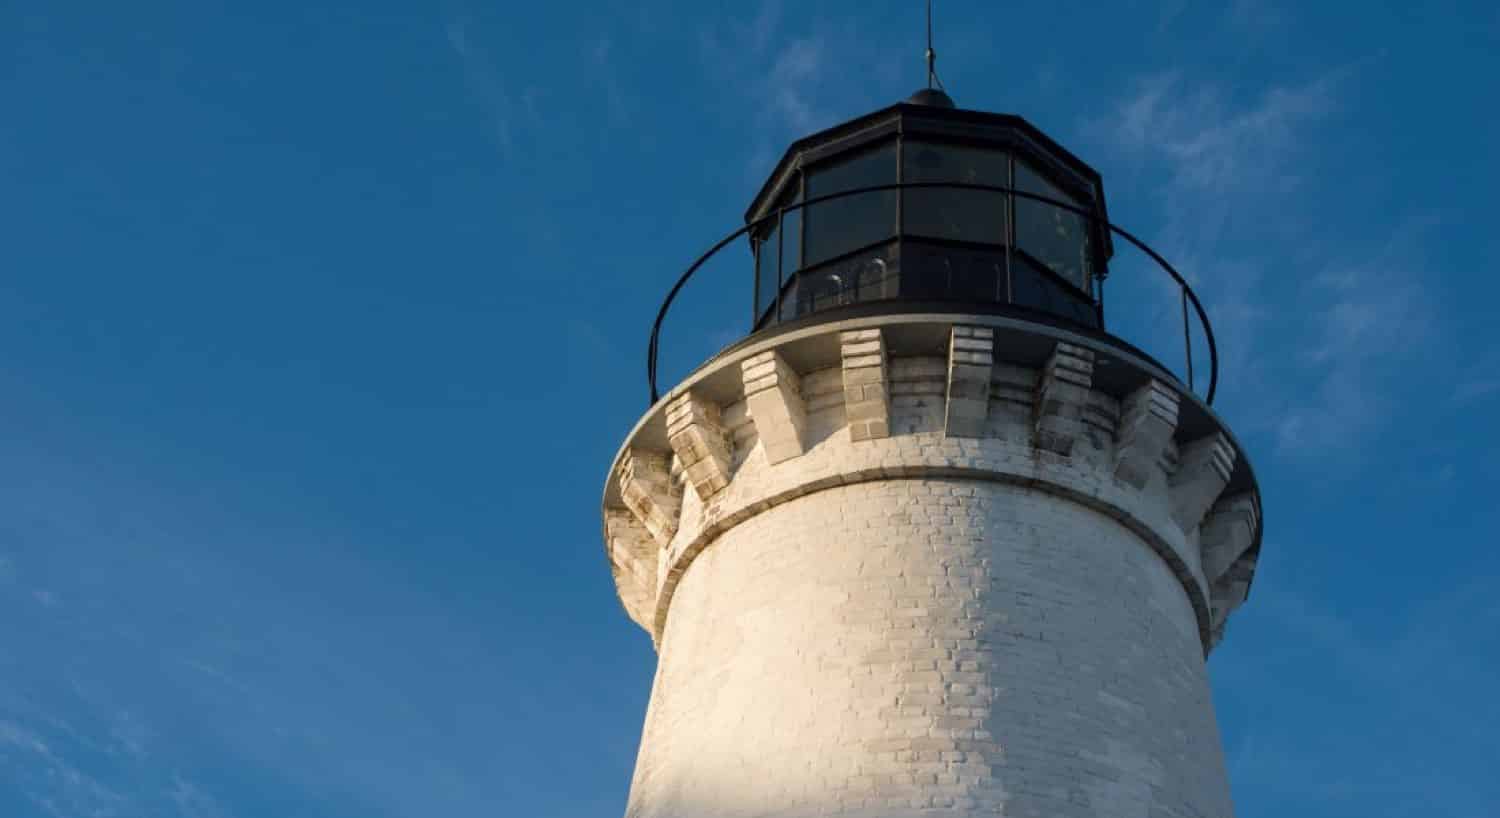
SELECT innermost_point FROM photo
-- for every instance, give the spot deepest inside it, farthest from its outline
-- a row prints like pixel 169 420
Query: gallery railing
pixel 760 228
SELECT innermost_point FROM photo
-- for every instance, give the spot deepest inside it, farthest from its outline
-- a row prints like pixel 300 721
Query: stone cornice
pixel 924 397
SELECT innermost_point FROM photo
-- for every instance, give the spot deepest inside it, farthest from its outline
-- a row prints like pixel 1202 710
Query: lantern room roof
pixel 932 96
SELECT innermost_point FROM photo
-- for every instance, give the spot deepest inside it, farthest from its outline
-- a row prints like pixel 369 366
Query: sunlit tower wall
pixel 930 541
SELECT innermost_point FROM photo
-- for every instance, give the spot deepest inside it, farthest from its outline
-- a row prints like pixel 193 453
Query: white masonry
pixel 929 572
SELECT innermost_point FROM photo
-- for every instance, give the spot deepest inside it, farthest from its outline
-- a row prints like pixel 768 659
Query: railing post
pixel 1010 229
pixel 1187 338
pixel 755 283
pixel 780 244
pixel 1099 287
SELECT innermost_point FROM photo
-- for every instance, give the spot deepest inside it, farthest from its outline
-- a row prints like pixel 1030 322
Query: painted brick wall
pixel 935 647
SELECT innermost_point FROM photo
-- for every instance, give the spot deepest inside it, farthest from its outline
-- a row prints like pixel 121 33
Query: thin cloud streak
pixel 1475 390
pixel 486 85
pixel 1479 381
pixel 780 80
pixel 606 71
pixel 1218 157
pixel 1411 674
pixel 793 81
pixel 193 802
pixel 1372 320
pixel 55 786
pixel 1311 352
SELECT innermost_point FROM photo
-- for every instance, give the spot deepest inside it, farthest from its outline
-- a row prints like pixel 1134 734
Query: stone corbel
pixel 697 437
pixel 866 374
pixel 1148 419
pixel 1227 533
pixel 646 487
pixel 971 365
pixel 633 558
pixel 773 397
pixel 1061 395
pixel 1228 593
pixel 1203 470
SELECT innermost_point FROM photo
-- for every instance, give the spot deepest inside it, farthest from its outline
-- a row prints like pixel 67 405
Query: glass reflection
pixel 870 275
pixel 960 215
pixel 847 224
pixel 1056 238
pixel 772 250
pixel 766 267
pixel 953 244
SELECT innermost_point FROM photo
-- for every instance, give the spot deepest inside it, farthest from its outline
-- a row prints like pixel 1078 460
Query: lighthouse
pixel 929 540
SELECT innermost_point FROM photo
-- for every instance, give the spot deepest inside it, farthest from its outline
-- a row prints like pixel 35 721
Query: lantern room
pixel 924 202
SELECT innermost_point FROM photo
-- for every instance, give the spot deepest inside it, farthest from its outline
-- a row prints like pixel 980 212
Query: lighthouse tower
pixel 929 540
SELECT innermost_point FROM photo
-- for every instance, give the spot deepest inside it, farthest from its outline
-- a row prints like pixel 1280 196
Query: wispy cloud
pixel 1310 327
pixel 1422 674
pixel 1477 383
pixel 1370 321
pixel 218 676
pixel 1215 152
pixel 1168 12
pixel 130 734
pixel 795 72
pixel 1471 391
pixel 607 73
pixel 486 84
pixel 54 785
pixel 794 75
pixel 166 657
pixel 1219 171
pixel 778 74
pixel 67 768
pixel 193 802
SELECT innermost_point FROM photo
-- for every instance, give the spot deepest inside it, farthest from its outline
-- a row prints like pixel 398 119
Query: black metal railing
pixel 778 218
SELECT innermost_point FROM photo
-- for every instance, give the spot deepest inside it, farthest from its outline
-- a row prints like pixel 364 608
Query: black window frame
pixel 1016 147
pixel 864 147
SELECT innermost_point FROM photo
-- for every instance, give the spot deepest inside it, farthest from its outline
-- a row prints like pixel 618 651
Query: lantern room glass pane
pixel 1055 238
pixel 770 245
pixel 852 222
pixel 959 215
pixel 765 249
pixel 1036 290
pixel 791 255
pixel 869 275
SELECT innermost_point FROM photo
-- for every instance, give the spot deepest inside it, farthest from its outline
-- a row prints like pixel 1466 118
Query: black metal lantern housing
pixel 924 202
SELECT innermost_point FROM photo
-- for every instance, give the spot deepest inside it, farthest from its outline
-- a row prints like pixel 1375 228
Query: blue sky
pixel 320 323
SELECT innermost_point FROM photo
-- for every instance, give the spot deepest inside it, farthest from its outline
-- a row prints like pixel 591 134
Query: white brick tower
pixel 929 541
